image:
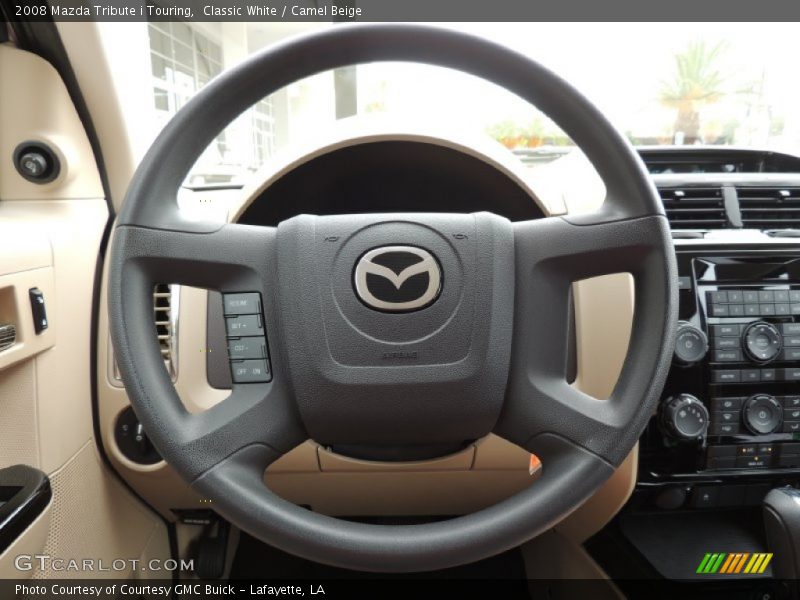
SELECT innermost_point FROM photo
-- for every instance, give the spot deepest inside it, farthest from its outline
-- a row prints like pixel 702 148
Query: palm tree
pixel 695 82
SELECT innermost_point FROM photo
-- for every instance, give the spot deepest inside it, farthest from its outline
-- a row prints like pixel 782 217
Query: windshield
pixel 659 83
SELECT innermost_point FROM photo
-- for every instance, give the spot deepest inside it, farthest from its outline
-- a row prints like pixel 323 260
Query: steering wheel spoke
pixel 230 257
pixel 259 416
pixel 551 254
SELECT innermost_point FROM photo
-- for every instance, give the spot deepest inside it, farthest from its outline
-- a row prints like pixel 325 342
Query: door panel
pixel 50 238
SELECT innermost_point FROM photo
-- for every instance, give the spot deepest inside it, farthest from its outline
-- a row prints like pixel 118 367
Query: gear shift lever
pixel 782 524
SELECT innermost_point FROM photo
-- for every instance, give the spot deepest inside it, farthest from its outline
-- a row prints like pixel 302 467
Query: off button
pixel 250 371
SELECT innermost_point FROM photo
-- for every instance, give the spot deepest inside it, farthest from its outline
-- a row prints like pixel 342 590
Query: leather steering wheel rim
pixel 518 276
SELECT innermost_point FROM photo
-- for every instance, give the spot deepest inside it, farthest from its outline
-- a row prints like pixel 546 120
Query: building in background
pixel 163 64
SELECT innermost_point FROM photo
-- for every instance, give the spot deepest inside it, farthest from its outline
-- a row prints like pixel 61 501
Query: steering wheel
pixel 470 338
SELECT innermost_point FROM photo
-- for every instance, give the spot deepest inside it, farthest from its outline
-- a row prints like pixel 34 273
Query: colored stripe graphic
pixel 714 567
pixel 767 558
pixel 730 565
pixel 703 563
pixel 740 564
pixel 734 563
pixel 727 564
pixel 754 563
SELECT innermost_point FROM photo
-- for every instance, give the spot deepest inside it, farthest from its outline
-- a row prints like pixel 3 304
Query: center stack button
pixel 762 341
pixel 762 414
pixel 691 344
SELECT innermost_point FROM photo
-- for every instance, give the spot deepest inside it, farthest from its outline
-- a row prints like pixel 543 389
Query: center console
pixel 728 427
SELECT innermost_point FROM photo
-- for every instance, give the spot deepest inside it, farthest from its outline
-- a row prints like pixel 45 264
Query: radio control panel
pixel 731 404
pixel 754 348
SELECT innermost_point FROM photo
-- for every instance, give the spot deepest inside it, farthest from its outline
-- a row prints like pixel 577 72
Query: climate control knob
pixel 762 341
pixel 691 344
pixel 762 414
pixel 684 417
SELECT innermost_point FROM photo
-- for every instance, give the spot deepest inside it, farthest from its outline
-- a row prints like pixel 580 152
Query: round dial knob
pixel 691 344
pixel 762 414
pixel 33 164
pixel 762 341
pixel 684 417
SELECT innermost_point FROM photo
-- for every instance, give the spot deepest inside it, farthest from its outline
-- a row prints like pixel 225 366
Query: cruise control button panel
pixel 247 340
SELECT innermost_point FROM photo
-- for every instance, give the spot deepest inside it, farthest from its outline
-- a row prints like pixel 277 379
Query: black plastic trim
pixel 25 493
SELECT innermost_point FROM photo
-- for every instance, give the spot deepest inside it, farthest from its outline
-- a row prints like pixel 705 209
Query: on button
pixel 250 371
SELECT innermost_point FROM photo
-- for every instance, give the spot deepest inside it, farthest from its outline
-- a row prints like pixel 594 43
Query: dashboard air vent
pixel 769 207
pixel 8 336
pixel 165 304
pixel 694 207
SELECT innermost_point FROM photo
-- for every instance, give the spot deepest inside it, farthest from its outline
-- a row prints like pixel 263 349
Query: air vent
pixel 165 304
pixel 8 336
pixel 694 208
pixel 769 207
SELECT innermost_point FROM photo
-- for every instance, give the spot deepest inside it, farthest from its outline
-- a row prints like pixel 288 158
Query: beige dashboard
pixel 484 473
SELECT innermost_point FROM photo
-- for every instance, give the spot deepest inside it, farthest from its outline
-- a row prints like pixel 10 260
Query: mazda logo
pixel 397 278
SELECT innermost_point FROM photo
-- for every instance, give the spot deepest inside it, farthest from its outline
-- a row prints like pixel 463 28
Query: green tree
pixel 696 81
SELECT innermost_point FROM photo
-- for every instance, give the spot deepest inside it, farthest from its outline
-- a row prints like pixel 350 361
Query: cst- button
pixel 250 371
pixel 248 347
